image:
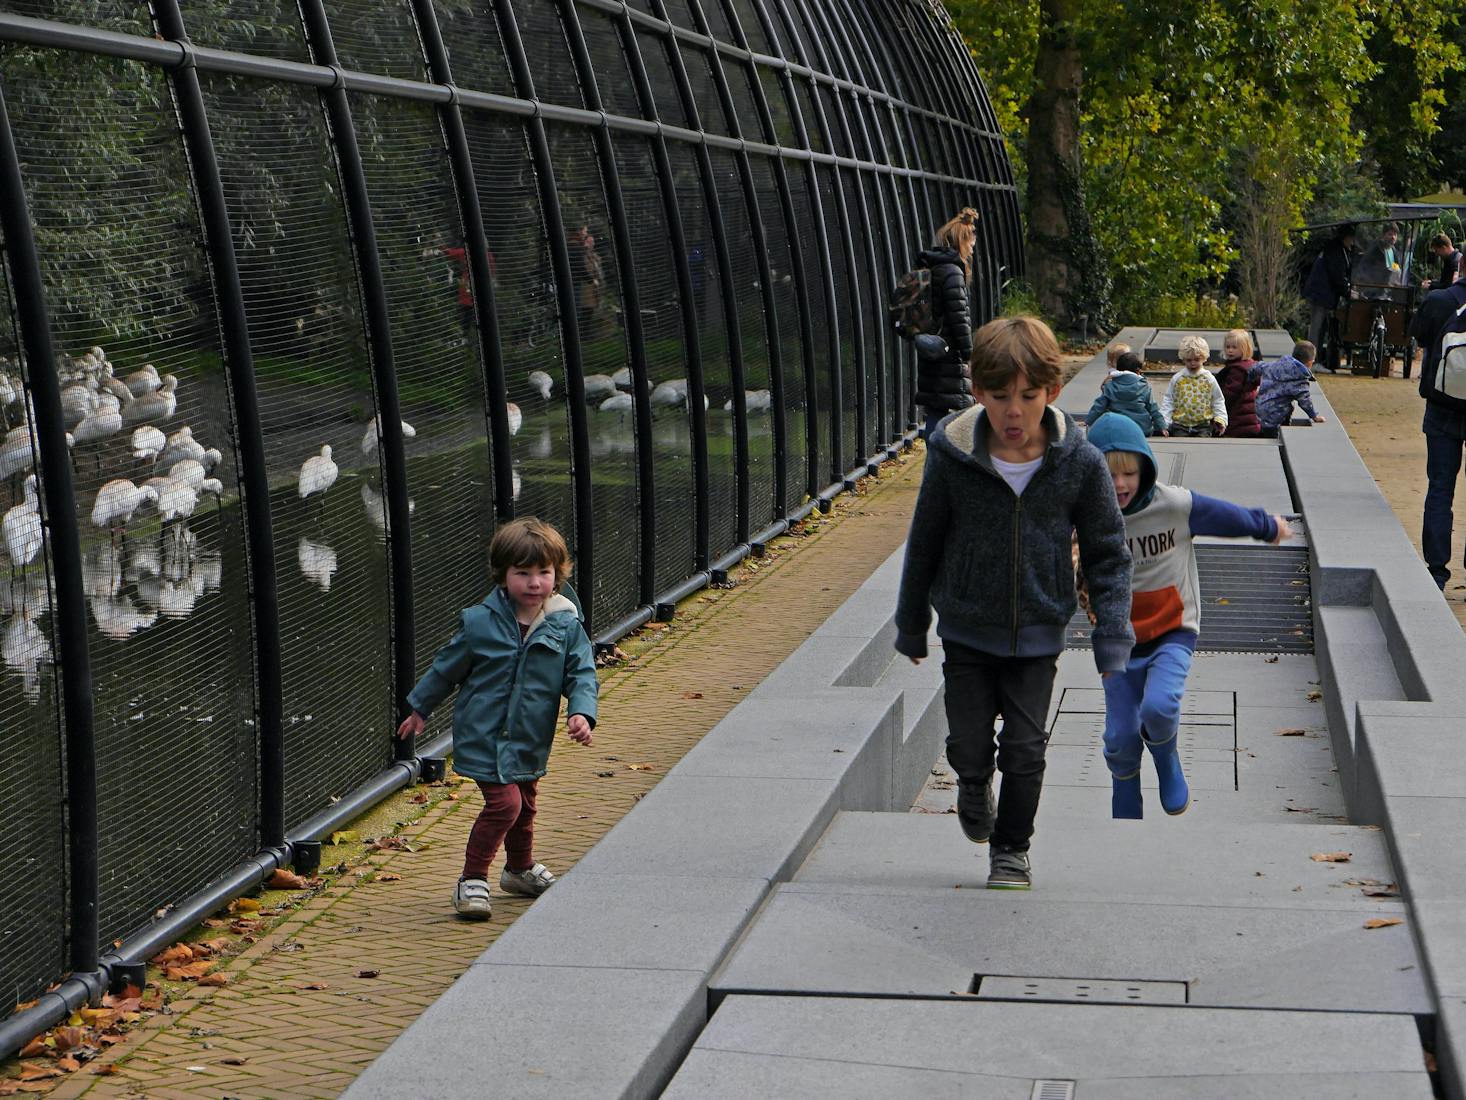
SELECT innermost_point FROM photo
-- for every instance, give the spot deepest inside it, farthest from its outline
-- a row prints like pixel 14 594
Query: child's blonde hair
pixel 1123 462
pixel 529 542
pixel 1193 345
pixel 1113 353
pixel 1003 348
pixel 960 235
pixel 1243 338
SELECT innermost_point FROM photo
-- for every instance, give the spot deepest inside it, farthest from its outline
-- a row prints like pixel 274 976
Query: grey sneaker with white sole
pixel 471 899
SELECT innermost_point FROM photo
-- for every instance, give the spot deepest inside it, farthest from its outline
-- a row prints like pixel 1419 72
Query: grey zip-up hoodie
pixel 998 567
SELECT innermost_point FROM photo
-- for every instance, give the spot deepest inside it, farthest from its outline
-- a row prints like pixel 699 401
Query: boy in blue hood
pixel 1128 393
pixel 1283 382
pixel 1005 484
pixel 1143 703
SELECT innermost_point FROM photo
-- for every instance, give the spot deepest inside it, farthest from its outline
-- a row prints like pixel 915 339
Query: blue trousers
pixel 1148 693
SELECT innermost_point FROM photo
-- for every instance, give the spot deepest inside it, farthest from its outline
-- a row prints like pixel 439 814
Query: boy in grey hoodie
pixel 1005 484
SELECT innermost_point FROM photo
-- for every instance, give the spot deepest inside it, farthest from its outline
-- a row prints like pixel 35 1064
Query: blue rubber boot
pixel 1175 795
pixel 1125 802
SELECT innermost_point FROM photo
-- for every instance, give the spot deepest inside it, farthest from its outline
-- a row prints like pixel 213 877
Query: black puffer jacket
pixel 945 385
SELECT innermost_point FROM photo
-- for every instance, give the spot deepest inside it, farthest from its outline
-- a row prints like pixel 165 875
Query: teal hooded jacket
pixel 509 692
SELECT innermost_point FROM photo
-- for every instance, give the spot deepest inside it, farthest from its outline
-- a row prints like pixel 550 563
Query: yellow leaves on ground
pixel 1331 857
pixel 1383 922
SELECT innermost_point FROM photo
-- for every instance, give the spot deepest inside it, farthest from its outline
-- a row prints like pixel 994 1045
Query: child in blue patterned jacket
pixel 1283 382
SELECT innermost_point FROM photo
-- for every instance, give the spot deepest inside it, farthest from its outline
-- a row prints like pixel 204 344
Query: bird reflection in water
pixel 24 645
pixel 317 561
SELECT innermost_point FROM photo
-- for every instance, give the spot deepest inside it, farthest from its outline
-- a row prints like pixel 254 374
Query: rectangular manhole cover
pixel 1003 987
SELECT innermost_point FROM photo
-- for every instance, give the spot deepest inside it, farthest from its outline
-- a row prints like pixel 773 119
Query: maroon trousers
pixel 508 819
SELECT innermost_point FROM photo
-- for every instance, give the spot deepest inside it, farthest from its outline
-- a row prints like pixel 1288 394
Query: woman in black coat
pixel 944 385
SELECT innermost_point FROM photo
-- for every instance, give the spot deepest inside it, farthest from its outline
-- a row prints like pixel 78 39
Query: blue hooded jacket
pixel 1129 394
pixel 1113 432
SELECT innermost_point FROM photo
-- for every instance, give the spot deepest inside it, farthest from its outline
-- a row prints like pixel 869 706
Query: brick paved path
pixel 269 1034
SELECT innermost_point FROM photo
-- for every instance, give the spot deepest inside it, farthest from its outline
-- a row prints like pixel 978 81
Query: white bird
pixel 618 403
pixel 143 381
pixel 158 405
pixel 9 390
pixel 189 471
pixel 24 648
pixel 181 445
pixel 77 401
pixel 369 441
pixel 22 527
pixel 376 506
pixel 15 452
pixel 317 473
pixel 173 599
pixel 212 457
pixel 753 401
pixel 117 501
pixel 175 499
pixel 148 443
pixel 516 418
pixel 622 378
pixel 317 562
pixel 104 422
pixel 119 617
pixel 670 394
pixel 598 387
pixel 541 383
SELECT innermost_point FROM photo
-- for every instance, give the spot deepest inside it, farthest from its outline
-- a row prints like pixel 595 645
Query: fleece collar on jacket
pixel 557 602
pixel 1114 432
pixel 965 436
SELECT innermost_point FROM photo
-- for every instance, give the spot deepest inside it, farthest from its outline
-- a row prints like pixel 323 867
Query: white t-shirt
pixel 1017 474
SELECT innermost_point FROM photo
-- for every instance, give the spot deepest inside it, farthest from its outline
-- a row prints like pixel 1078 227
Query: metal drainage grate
pixel 1003 987
pixel 1254 599
pixel 1052 1090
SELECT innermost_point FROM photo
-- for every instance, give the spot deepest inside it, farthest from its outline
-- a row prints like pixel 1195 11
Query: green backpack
pixel 910 307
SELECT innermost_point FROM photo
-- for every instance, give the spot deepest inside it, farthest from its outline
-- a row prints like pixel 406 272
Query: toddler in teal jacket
pixel 513 658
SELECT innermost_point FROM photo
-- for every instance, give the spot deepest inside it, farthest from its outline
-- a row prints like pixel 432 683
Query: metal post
pixel 379 350
pixel 696 390
pixel 539 144
pixel 630 307
pixel 74 658
pixel 475 245
pixel 239 373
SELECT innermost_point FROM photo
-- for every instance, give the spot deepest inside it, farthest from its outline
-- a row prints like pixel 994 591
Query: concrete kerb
pixel 631 936
pixel 1391 656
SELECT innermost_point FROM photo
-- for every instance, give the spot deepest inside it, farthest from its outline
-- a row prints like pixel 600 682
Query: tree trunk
pixel 1064 262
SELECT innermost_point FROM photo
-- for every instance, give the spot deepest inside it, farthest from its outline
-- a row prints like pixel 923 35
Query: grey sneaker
pixel 977 809
pixel 1009 870
pixel 529 884
pixel 471 899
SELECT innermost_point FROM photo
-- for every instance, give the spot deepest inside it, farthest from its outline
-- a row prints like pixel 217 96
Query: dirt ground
pixel 1382 416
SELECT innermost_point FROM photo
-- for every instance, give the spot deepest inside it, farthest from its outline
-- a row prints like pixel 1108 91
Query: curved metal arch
pixel 384 375
pixel 78 731
pixel 475 244
pixel 239 374
pixel 539 144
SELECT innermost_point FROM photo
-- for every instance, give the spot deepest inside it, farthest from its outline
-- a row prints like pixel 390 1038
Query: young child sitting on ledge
pixel 1193 403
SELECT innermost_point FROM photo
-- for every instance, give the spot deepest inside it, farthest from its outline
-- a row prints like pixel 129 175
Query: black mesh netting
pixel 475 50
pixel 143 392
pixel 791 342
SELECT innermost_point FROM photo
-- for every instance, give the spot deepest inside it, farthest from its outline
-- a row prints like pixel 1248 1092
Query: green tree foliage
pixel 1196 111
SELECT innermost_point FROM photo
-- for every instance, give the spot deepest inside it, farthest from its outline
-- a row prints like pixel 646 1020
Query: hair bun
pixel 968 215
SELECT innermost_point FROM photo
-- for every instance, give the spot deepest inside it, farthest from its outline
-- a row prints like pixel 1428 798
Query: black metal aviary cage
pixel 300 301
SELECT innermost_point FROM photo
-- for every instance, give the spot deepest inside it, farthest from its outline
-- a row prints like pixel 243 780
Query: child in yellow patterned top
pixel 1193 403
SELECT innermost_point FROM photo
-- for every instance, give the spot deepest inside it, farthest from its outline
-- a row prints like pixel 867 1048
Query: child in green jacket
pixel 514 656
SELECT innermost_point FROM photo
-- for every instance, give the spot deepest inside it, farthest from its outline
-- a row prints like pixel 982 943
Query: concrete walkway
pixel 330 986
pixel 1296 933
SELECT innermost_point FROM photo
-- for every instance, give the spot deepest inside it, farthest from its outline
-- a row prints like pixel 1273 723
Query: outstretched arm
pixel 925 545
pixel 1223 519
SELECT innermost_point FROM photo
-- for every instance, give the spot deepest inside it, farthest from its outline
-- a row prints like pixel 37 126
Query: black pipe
pixel 239 373
pixel 384 372
pixel 480 274
pixel 539 144
pixel 630 308
pixel 677 241
pixel 801 293
pixel 696 391
pixel 70 618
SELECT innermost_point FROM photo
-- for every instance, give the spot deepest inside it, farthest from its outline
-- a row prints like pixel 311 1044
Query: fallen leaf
pixel 234 1061
pixel 215 922
pixel 316 985
pixel 106 1071
pixel 606 775
pixel 1270 660
pixel 692 695
pixel 1223 599
pixel 420 798
pixel 1383 922
pixel 391 844
pixel 656 626
pixel 214 980
pixel 1390 891
pixel 342 836
pixel 284 879
pixel 68 1038
pixel 641 767
pixel 1331 857
pixel 68 1065
pixel 99 1017
pixel 1315 696
pixel 188 973
pixel 35 1048
pixel 1299 809
pixel 388 876
pixel 178 953
pixel 39 1073
pixel 367 973
pixel 1292 731
pixel 245 905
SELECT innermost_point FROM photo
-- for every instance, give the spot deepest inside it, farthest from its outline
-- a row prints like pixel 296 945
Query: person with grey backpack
pixel 1439 327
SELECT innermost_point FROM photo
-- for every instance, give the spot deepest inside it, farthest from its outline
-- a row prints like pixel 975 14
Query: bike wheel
pixel 1379 358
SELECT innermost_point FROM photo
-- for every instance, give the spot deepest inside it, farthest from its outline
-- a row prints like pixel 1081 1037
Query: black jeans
pixel 1445 435
pixel 979 687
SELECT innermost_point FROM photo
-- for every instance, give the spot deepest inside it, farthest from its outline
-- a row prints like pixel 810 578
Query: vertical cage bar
pixel 83 883
pixel 475 243
pixel 539 143
pixel 630 308
pixel 384 375
pixel 239 372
